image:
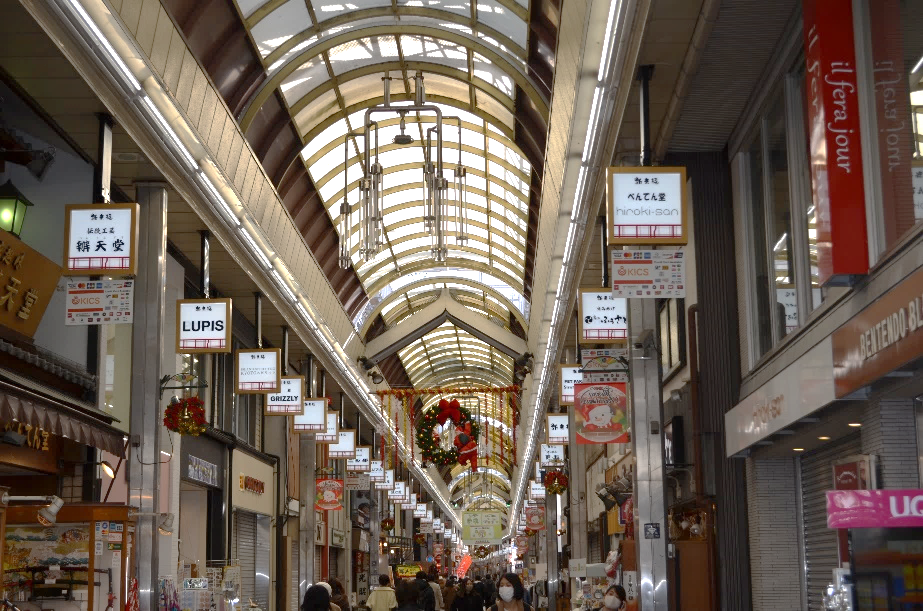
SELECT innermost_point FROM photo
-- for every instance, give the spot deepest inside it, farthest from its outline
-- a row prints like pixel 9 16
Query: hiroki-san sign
pixel 647 205
pixel 100 239
pixel 203 325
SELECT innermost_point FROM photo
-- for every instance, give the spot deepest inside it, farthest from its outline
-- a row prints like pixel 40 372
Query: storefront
pixel 202 521
pixel 252 534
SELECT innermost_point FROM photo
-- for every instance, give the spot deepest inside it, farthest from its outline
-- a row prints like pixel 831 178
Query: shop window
pixel 895 125
pixel 672 336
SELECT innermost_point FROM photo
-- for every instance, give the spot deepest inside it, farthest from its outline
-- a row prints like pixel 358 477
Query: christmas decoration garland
pixel 185 416
pixel 529 532
pixel 481 552
pixel 555 482
pixel 387 524
pixel 419 539
pixel 465 435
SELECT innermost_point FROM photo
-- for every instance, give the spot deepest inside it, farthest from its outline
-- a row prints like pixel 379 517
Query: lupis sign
pixel 203 325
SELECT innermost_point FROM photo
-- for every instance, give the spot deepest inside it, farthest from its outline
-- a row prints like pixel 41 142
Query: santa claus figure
pixel 467 446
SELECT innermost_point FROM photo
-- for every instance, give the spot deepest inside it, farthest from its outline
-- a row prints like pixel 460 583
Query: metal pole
pixel 307 451
pixel 284 350
pixel 258 315
pixel 205 267
pixel 147 347
pixel 646 413
pixel 604 250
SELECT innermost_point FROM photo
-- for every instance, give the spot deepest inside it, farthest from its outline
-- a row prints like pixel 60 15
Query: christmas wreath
pixel 481 552
pixel 465 435
pixel 419 539
pixel 529 532
pixel 555 482
pixel 387 524
pixel 185 416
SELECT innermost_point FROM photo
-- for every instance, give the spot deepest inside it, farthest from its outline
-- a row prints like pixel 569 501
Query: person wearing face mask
pixel 614 599
pixel 467 598
pixel 510 594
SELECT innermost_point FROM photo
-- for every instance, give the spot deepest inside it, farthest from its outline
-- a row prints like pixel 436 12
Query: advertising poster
pixel 535 517
pixel 601 413
pixel 329 494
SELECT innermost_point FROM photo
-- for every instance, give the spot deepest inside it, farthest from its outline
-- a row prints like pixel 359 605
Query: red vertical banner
pixel 836 149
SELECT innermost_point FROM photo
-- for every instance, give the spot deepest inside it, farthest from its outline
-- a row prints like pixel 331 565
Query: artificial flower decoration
pixel 419 539
pixel 555 482
pixel 464 435
pixel 185 416
pixel 387 524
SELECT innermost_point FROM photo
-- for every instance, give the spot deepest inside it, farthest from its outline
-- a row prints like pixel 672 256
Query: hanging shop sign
pixel 376 471
pixel 463 566
pixel 345 446
pixel 398 491
pixel 203 326
pixel 100 239
pixel 259 371
pixel 420 510
pixel 601 413
pixel 202 471
pixel 27 282
pixel 535 517
pixel 648 274
pixel 603 318
pixel 551 455
pixel 874 508
pixel 800 389
pixel 647 205
pixel 408 571
pixel 388 482
pixel 883 337
pixel 313 416
pixel 99 302
pixel 557 428
pixel 289 401
pixel 569 375
pixel 836 150
pixel 252 485
pixel 362 460
pixel 604 359
pixel 536 490
pixel 329 494
pixel 357 481
pixel 484 526
pixel 331 432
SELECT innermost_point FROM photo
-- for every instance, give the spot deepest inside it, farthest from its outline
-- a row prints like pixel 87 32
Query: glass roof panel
pixel 307 77
pixel 328 9
pixel 280 25
pixel 247 7
pixel 418 47
pixel 356 53
pixel 325 106
pixel 503 20
pixel 459 7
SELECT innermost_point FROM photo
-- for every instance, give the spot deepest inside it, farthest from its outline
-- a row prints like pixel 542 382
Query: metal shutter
pixel 318 562
pixel 245 540
pixel 263 561
pixel 594 548
pixel 820 542
pixel 333 566
pixel 294 569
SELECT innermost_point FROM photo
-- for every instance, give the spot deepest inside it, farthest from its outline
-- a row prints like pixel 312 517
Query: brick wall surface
pixel 889 431
pixel 772 503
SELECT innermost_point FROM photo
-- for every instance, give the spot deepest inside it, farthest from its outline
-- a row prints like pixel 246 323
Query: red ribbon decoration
pixel 448 410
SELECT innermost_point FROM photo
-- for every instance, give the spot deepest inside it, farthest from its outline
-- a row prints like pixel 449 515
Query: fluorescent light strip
pixel 114 57
pixel 256 249
pixel 222 203
pixel 607 40
pixel 165 126
pixel 285 288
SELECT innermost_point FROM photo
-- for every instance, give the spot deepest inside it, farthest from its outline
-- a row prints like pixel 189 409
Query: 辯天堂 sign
pixel 27 282
pixel 100 239
pixel 203 325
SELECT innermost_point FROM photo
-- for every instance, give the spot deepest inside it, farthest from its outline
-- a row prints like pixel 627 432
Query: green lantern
pixel 13 207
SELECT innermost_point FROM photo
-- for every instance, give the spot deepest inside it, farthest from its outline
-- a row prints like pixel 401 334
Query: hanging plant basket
pixel 555 482
pixel 481 552
pixel 387 524
pixel 419 539
pixel 529 532
pixel 185 416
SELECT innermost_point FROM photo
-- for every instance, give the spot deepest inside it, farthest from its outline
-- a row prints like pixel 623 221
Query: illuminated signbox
pixel 647 205
pixel 100 239
pixel 289 401
pixel 203 325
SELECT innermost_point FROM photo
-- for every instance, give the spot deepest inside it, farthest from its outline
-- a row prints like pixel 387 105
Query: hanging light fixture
pixel 460 185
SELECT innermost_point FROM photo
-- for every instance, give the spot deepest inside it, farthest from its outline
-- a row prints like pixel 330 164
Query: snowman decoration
pixel 598 417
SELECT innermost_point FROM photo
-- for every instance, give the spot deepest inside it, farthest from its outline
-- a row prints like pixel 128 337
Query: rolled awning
pixel 58 417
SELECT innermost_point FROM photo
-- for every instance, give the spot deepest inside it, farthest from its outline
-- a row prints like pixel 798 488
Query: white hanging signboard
pixel 917 190
pixel 557 428
pixel 99 302
pixel 398 491
pixel 361 463
pixel 313 416
pixel 552 455
pixel 420 510
pixel 259 371
pixel 388 482
pixel 100 239
pixel 603 318
pixel 604 365
pixel 376 472
pixel 648 274
pixel 536 491
pixel 357 481
pixel 647 205
pixel 331 433
pixel 345 446
pixel 289 401
pixel 570 375
pixel 203 325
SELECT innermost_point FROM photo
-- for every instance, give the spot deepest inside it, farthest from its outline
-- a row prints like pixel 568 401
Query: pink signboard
pixel 874 508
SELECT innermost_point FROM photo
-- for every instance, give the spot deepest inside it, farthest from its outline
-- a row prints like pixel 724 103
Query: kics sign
pixel 203 325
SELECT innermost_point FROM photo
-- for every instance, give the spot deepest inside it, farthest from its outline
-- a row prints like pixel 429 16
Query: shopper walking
pixel 511 595
pixel 408 595
pixel 382 598
pixel 316 598
pixel 467 598
pixel 425 597
pixel 437 591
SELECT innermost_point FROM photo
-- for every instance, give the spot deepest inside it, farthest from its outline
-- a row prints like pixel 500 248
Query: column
pixel 646 410
pixel 550 557
pixel 147 344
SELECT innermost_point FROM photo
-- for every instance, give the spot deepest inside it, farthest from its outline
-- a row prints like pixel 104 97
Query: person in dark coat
pixel 467 598
pixel 407 594
pixel 426 598
pixel 316 598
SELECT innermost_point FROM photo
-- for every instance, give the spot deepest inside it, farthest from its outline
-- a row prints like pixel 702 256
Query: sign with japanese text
pixel 376 471
pixel 463 566
pixel 99 302
pixel 313 416
pixel 557 428
pixel 648 274
pixel 604 359
pixel 387 483
pixel 203 325
pixel 27 281
pixel 835 144
pixel 289 401
pixel 601 413
pixel 357 481
pixel 484 526
pixel 331 433
pixel 535 517
pixel 252 485
pixel 329 494
pixel 551 455
pixel 603 318
pixel 420 510
pixel 345 447
pixel 647 205
pixel 100 239
pixel 536 490
pixel 398 491
pixel 917 191
pixel 569 375
pixel 259 371
pixel 361 463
